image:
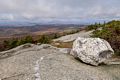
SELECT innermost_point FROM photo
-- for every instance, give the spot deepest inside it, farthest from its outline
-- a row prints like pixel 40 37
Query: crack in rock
pixel 37 69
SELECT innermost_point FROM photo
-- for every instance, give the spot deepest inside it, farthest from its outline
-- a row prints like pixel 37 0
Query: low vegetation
pixel 43 39
pixel 94 26
pixel 109 31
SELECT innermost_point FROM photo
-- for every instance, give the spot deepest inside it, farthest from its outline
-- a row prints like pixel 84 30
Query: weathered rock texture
pixel 72 37
pixel 45 62
pixel 91 50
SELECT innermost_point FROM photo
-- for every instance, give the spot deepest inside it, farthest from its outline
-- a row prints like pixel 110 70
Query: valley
pixel 21 31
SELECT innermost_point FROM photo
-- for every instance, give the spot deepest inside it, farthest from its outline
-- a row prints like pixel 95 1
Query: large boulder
pixel 92 51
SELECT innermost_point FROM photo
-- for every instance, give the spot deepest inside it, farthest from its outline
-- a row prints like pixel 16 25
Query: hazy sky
pixel 32 9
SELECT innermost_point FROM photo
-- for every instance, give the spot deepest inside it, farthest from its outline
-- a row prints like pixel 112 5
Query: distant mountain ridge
pixel 50 22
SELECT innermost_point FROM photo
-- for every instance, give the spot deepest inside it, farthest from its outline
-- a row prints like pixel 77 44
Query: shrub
pixel 13 43
pixel 111 33
pixel 44 39
pixel 28 39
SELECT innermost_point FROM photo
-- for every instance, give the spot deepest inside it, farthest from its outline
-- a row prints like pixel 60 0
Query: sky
pixel 59 9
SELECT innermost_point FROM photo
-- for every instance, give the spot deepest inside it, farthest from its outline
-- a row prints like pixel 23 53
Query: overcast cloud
pixel 32 9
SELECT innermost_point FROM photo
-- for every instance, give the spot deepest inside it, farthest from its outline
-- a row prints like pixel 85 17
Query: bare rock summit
pixel 46 62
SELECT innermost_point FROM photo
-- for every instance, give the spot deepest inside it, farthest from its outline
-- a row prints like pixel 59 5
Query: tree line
pixel 109 31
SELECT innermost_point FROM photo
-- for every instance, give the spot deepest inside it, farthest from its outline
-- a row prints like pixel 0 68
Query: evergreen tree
pixel 28 39
pixel 44 39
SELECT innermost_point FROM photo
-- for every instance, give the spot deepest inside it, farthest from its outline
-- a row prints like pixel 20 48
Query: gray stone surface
pixel 45 62
pixel 65 67
pixel 20 64
pixel 72 37
pixel 93 51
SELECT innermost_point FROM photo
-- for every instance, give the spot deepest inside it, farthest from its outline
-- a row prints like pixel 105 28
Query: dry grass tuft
pixel 62 44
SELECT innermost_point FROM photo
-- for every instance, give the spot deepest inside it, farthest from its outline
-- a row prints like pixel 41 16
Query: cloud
pixel 32 9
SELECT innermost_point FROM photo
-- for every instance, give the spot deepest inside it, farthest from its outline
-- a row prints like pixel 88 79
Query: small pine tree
pixel 44 39
pixel 28 39
pixel 13 44
pixel 6 44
